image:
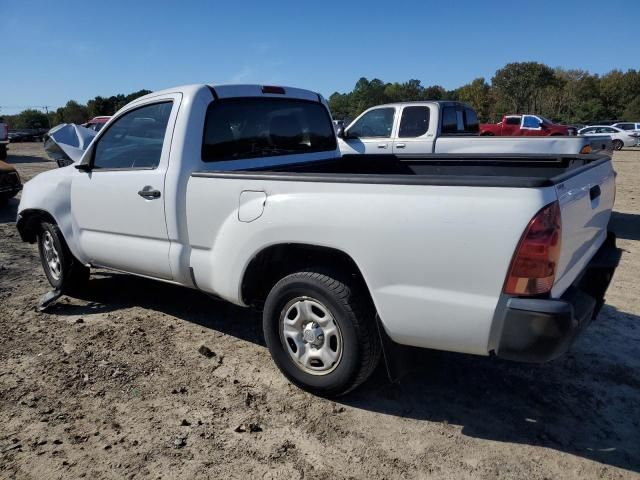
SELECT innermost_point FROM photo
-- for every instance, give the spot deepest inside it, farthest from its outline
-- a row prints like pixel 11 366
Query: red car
pixel 96 123
pixel 529 125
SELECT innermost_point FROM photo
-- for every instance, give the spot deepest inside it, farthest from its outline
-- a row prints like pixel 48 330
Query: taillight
pixel 586 149
pixel 534 263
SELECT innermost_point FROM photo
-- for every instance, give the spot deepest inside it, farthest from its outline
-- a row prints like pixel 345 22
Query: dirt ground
pixel 114 386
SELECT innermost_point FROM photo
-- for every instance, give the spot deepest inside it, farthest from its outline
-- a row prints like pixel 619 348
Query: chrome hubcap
pixel 311 336
pixel 51 256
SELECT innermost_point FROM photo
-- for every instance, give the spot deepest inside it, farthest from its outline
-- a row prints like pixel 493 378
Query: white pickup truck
pixel 241 192
pixel 446 127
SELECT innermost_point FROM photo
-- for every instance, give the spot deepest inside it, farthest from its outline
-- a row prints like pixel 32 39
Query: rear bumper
pixel 538 330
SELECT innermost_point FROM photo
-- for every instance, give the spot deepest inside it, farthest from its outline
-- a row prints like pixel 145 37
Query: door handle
pixel 594 192
pixel 149 193
pixel 382 145
pixel 400 145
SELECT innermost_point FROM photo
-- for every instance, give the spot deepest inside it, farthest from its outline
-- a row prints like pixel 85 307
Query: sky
pixel 54 51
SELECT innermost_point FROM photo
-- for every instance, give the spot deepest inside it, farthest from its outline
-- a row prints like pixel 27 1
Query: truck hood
pixel 66 143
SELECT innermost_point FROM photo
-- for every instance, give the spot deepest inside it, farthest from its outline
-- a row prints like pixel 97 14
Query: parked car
pixel 96 123
pixel 10 183
pixel 526 125
pixel 254 204
pixel 27 135
pixel 619 138
pixel 4 139
pixel 629 127
pixel 444 127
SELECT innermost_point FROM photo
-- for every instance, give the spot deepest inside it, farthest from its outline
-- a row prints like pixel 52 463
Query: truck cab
pixel 407 128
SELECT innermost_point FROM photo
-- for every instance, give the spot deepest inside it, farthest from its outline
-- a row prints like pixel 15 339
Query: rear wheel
pixel 64 272
pixel 320 329
pixel 617 144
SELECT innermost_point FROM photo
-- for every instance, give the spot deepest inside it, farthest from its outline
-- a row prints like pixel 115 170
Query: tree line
pixel 568 96
pixel 72 112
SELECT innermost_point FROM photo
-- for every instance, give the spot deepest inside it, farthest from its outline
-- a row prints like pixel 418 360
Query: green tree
pixel 632 110
pixel 478 95
pixel 31 119
pixel 522 84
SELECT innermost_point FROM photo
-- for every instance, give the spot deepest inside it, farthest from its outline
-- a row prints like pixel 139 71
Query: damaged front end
pixel 66 143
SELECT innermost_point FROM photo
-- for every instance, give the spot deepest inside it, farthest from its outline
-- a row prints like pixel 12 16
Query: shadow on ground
pixel 8 211
pixel 13 159
pixel 626 225
pixel 585 404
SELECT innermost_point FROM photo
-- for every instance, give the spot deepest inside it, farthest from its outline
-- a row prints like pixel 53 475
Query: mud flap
pixel 48 299
pixel 396 357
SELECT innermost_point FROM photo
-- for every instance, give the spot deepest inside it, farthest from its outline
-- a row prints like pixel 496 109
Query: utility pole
pixel 46 111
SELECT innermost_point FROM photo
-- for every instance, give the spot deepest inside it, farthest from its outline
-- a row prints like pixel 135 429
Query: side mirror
pixel 341 133
pixel 84 165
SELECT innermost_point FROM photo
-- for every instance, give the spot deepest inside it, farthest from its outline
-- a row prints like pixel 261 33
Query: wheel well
pixel 486 134
pixel 275 262
pixel 29 221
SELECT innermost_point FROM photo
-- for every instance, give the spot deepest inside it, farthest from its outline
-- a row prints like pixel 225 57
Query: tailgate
pixel 586 200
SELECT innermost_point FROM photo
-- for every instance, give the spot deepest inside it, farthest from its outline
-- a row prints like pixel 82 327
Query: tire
pixel 346 324
pixel 64 272
pixel 617 144
pixel 3 152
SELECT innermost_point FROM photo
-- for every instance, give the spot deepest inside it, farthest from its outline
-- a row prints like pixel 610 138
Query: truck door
pixel 370 133
pixel 531 126
pixel 118 205
pixel 511 125
pixel 414 132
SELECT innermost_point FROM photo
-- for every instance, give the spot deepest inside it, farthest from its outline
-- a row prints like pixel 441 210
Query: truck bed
pixel 492 170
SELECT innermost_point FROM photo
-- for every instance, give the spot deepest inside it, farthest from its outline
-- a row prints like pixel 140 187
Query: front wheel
pixel 321 332
pixel 64 272
pixel 618 144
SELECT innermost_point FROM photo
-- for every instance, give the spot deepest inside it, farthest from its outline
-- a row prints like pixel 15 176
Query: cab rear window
pixel 458 120
pixel 240 128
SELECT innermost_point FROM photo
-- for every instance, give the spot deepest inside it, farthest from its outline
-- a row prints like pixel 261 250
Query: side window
pixel 135 139
pixel 625 126
pixel 588 130
pixel 375 123
pixel 414 122
pixel 449 120
pixel 471 123
pixel 530 122
pixel 457 120
pixel 514 120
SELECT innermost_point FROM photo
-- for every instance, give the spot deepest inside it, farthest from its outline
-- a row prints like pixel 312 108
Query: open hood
pixel 66 143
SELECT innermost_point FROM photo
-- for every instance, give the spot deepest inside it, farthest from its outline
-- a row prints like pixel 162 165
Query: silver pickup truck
pixel 447 127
